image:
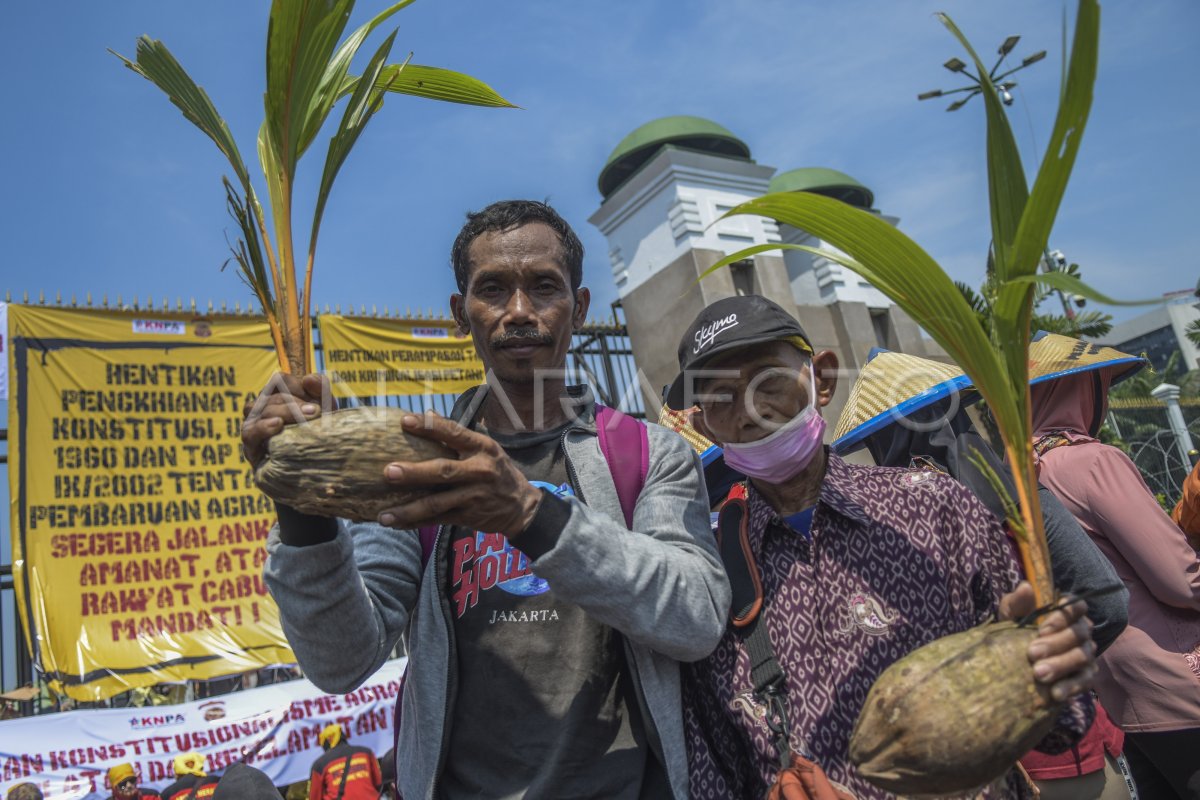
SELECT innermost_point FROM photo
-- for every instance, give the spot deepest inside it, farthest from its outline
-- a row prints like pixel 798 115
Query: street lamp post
pixel 997 78
pixel 1053 260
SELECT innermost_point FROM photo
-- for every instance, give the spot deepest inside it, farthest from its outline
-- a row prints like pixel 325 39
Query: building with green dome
pixel 815 279
pixel 664 191
pixel 690 133
pixel 667 183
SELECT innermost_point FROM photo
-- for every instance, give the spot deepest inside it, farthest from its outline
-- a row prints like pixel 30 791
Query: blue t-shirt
pixel 801 522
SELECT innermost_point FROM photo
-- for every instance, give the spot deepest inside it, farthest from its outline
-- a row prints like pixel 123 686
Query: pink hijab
pixel 1073 405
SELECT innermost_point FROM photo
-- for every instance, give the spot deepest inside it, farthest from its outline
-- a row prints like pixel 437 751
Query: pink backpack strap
pixel 625 444
pixel 428 537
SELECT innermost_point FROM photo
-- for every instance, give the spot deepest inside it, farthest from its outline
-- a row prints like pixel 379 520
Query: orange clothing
pixel 363 781
pixel 1187 510
pixel 182 789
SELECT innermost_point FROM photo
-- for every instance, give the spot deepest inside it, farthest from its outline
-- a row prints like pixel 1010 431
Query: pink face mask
pixel 783 454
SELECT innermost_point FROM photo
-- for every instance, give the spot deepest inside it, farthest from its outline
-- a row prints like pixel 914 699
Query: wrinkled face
pixel 519 308
pixel 753 391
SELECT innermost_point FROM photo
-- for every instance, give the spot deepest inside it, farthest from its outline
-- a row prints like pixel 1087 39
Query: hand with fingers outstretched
pixel 1063 654
pixel 286 400
pixel 483 489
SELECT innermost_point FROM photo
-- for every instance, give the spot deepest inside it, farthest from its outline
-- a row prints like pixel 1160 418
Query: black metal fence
pixel 1140 427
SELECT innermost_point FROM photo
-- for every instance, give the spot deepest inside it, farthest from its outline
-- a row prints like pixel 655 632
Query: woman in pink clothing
pixel 1149 679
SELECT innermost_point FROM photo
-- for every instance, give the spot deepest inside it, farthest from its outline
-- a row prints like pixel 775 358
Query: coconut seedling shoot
pixel 955 714
pixel 316 468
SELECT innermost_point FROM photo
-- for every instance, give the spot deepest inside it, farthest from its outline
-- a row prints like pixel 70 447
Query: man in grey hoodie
pixel 543 634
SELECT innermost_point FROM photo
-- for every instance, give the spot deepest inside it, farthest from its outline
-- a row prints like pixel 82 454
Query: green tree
pixel 1193 332
pixel 1088 324
pixel 1145 381
pixel 1140 416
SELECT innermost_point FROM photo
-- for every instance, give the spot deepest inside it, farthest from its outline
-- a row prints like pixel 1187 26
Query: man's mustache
pixel 523 336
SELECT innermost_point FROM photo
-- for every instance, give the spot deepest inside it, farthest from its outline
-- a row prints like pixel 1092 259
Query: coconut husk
pixel 954 715
pixel 333 466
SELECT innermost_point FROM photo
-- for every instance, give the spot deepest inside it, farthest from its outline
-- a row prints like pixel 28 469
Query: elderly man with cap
pixel 344 772
pixel 123 780
pixel 851 567
pixel 192 782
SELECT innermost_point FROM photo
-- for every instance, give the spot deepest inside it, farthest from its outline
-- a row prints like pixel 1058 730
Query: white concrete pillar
pixel 1168 394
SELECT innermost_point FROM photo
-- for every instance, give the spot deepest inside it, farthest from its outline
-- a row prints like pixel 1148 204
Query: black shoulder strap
pixel 345 774
pixel 734 544
pixel 770 689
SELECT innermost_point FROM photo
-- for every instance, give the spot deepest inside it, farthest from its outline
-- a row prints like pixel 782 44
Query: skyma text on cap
pixel 707 334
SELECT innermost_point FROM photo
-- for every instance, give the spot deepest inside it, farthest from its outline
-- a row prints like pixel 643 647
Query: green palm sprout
pixel 995 355
pixel 308 73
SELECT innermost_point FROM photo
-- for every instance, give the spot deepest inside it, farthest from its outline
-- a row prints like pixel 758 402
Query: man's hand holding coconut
pixel 287 399
pixel 481 489
pixel 1063 655
pixel 478 486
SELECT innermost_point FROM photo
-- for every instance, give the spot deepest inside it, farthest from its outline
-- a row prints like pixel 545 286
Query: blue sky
pixel 110 190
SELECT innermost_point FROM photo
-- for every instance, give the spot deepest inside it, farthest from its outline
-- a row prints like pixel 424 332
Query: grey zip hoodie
pixel 346 602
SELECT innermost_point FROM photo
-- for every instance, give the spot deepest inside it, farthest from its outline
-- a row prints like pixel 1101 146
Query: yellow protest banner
pixel 369 357
pixel 138 534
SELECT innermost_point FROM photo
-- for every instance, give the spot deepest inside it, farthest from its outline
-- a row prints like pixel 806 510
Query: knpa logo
pixel 155 721
pixel 171 327
pixel 706 334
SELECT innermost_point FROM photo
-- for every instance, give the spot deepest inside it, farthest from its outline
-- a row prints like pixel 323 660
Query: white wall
pixel 670 206
pixel 819 281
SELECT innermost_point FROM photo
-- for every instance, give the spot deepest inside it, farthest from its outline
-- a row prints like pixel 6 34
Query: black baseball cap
pixel 728 324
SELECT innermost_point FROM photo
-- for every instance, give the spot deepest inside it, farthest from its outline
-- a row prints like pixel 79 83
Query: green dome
pixel 693 133
pixel 828 182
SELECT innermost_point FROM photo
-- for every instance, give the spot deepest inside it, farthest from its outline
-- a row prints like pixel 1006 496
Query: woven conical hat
pixel 717 475
pixel 1053 355
pixel 890 386
pixel 679 422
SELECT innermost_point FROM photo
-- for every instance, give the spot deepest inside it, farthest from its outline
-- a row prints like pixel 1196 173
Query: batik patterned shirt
pixel 896 559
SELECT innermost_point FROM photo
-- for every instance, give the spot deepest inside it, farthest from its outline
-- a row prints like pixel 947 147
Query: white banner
pixel 3 350
pixel 273 728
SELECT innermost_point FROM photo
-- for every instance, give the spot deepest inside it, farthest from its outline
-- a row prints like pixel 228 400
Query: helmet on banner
pixel 120 773
pixel 25 791
pixel 190 764
pixel 331 736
